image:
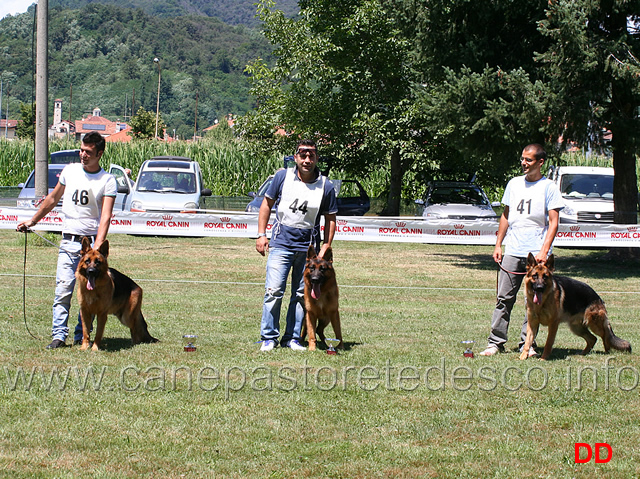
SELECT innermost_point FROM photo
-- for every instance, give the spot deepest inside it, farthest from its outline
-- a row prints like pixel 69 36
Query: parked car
pixel 58 160
pixel 167 184
pixel 351 197
pixel 587 192
pixel 27 196
pixel 457 201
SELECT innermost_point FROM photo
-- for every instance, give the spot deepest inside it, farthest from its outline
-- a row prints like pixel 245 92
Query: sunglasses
pixel 306 153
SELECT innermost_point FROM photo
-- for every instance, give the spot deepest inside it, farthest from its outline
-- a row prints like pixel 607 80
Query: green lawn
pixel 401 401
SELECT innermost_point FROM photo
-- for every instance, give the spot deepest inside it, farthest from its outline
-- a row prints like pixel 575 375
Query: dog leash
pixel 500 267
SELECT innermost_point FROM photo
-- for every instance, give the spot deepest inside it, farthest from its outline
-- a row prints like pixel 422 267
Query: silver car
pixel 168 184
pixel 457 201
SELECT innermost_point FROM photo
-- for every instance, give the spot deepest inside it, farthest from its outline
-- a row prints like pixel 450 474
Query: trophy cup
pixel 332 343
pixel 189 341
pixel 468 351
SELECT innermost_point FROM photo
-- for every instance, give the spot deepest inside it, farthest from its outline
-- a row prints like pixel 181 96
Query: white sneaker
pixel 268 345
pixel 296 346
pixel 532 353
pixel 490 351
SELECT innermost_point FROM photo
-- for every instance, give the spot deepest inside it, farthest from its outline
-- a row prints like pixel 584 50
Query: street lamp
pixel 157 61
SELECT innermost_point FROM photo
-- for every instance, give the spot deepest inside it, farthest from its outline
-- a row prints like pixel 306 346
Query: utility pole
pixel 42 100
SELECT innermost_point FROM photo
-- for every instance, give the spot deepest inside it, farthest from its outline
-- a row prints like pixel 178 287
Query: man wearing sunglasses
pixel 528 224
pixel 301 195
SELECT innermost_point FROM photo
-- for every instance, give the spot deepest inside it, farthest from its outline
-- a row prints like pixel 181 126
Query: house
pixel 8 129
pixel 60 128
pixel 96 122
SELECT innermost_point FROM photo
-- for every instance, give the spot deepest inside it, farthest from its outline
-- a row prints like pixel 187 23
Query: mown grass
pixel 378 409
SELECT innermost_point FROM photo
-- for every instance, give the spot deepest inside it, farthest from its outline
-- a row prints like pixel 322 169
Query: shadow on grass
pixel 593 264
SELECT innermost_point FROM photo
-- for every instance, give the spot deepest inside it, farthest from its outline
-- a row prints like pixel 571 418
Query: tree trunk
pixel 625 185
pixel 395 185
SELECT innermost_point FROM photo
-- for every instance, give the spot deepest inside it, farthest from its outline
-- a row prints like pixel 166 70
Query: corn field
pixel 227 170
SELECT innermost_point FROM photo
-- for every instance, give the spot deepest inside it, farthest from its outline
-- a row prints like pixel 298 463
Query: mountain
pixel 103 56
pixel 232 12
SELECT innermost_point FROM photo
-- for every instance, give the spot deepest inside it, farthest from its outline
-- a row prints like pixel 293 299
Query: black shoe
pixel 56 343
pixel 77 342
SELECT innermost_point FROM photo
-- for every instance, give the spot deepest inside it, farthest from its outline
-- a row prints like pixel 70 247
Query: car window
pixel 167 182
pixel 457 195
pixel 53 179
pixel 582 185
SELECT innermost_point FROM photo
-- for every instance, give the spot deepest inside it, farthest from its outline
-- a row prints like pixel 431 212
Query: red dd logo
pixel 597 447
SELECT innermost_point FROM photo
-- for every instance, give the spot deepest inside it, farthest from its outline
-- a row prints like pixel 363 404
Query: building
pixel 60 128
pixel 96 122
pixel 8 129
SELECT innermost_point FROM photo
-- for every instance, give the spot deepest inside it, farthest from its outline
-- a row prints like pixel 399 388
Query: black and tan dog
pixel 321 297
pixel 102 291
pixel 552 300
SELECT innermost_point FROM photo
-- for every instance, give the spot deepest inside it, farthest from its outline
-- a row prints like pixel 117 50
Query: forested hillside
pixel 102 56
pixel 233 12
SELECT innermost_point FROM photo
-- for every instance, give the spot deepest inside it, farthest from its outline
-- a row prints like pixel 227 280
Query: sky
pixel 14 6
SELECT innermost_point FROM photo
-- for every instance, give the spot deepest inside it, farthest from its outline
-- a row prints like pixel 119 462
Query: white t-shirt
pixel 82 198
pixel 529 204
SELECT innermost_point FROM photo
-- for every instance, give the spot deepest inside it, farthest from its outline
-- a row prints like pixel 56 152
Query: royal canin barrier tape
pixel 408 229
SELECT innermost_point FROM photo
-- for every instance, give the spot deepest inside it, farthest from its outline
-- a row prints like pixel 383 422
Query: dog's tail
pixel 614 341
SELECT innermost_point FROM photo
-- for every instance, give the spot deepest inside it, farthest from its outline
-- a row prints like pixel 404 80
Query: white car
pixel 457 201
pixel 164 184
pixel 587 192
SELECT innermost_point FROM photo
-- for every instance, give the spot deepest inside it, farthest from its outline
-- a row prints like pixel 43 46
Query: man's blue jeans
pixel 279 263
pixel 68 258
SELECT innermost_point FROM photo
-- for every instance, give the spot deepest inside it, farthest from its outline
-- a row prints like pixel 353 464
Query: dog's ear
pixel 531 261
pixel 86 244
pixel 104 248
pixel 311 252
pixel 328 255
pixel 550 263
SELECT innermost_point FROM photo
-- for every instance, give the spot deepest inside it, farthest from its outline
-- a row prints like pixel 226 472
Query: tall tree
pixel 594 71
pixel 341 76
pixel 26 128
pixel 143 125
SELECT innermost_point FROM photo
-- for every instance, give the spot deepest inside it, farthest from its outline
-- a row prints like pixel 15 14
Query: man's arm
pixel 502 232
pixel 105 220
pixel 50 201
pixel 554 216
pixel 329 232
pixel 262 243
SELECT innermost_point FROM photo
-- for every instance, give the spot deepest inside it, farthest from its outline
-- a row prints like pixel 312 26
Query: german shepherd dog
pixel 321 297
pixel 103 290
pixel 553 299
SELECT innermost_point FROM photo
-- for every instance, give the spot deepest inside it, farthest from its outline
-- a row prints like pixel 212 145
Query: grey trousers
pixel 508 287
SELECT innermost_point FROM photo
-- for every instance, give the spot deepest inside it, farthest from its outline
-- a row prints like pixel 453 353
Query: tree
pixel 26 128
pixel 143 125
pixel 593 69
pixel 343 77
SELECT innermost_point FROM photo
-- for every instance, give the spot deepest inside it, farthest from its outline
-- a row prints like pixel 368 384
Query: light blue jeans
pixel 279 263
pixel 69 256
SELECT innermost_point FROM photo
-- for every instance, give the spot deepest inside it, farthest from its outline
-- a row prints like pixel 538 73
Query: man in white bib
pixel 88 194
pixel 301 195
pixel 528 224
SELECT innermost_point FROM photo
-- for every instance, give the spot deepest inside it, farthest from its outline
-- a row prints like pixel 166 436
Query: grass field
pixel 401 401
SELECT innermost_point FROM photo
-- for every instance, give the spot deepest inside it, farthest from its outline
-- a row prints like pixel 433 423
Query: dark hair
pixel 94 138
pixel 307 142
pixel 538 151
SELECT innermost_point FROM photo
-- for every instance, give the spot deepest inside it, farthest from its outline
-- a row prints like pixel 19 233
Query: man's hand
pixel 25 226
pixel 497 254
pixel 262 245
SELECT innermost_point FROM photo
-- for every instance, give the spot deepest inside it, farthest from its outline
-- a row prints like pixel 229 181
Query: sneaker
pixel 56 343
pixel 296 346
pixel 268 345
pixel 532 353
pixel 77 342
pixel 490 351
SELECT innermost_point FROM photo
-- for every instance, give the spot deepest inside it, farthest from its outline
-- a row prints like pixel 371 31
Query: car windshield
pixel 589 186
pixel 53 179
pixel 467 195
pixel 163 182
